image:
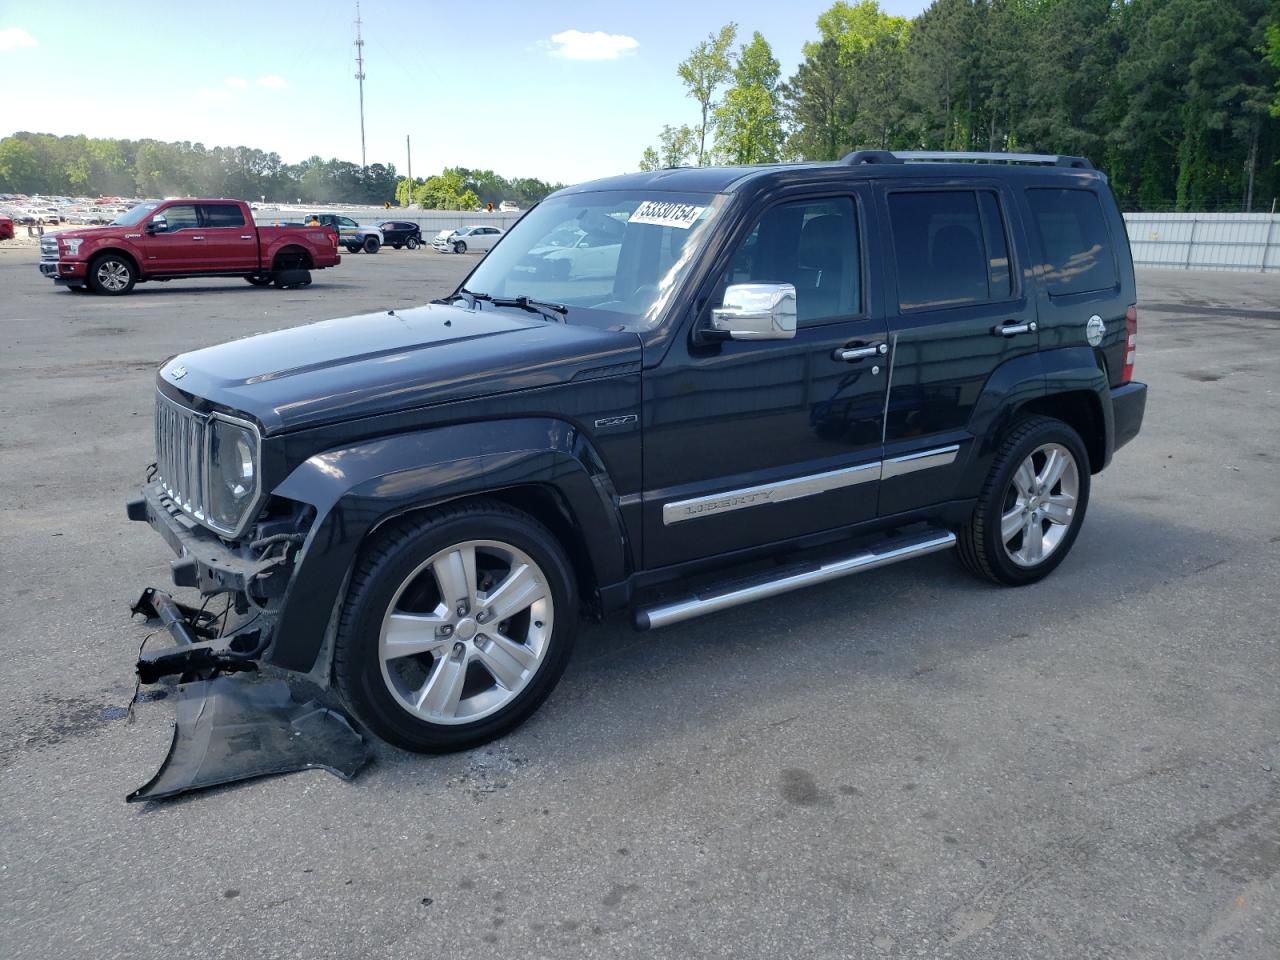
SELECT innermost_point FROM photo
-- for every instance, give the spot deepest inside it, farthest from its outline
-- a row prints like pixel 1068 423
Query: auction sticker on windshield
pixel 664 213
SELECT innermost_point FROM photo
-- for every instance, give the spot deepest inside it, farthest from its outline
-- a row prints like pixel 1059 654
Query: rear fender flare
pixel 1030 379
pixel 355 489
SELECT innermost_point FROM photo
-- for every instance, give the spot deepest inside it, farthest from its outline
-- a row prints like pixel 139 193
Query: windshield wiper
pixel 552 311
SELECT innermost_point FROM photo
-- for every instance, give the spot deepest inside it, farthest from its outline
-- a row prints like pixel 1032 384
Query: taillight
pixel 333 242
pixel 1131 342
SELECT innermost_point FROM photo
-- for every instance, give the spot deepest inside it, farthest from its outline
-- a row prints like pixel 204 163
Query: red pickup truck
pixel 173 239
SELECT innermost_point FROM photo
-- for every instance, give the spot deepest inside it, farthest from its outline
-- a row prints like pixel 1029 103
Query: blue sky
pixel 476 84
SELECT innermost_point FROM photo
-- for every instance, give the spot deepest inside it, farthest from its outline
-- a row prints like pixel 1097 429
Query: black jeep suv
pixel 831 367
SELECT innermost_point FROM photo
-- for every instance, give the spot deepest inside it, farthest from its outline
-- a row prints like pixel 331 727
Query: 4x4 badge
pixel 1095 330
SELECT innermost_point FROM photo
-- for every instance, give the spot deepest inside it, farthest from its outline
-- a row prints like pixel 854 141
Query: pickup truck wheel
pixel 371 244
pixel 456 627
pixel 459 247
pixel 1031 506
pixel 260 279
pixel 412 243
pixel 111 275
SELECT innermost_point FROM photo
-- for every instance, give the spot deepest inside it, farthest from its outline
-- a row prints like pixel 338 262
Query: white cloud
pixel 598 45
pixel 11 38
pixel 238 82
pixel 272 81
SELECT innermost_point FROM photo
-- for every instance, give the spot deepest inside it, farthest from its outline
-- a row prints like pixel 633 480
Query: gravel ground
pixel 904 764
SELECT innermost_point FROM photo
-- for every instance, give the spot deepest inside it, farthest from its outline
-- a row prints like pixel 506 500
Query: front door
pixel 752 442
pixel 229 242
pixel 177 245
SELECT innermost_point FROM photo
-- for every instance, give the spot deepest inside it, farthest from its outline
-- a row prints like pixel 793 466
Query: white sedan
pixel 466 238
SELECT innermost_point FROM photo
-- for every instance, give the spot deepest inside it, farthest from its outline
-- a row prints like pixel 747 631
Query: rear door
pixel 178 247
pixel 958 308
pixel 229 242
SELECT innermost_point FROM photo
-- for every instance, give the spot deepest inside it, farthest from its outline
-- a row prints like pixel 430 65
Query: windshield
pixel 614 258
pixel 135 215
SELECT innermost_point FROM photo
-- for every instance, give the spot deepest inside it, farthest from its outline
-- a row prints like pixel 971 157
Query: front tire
pixel 1031 506
pixel 371 244
pixel 112 275
pixel 459 247
pixel 457 626
pixel 412 243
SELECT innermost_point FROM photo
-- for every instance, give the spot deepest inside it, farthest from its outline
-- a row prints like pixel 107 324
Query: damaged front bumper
pixel 254 573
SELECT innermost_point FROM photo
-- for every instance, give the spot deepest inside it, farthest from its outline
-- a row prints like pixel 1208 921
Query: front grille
pixel 180 455
pixel 48 248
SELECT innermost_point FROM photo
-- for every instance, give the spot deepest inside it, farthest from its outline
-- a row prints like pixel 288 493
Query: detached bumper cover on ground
pixel 239 727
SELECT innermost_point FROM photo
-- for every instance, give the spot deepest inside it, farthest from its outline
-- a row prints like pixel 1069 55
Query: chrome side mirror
pixel 757 311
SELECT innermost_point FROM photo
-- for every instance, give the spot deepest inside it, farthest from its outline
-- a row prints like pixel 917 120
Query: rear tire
pixel 111 275
pixel 471 593
pixel 371 244
pixel 1031 506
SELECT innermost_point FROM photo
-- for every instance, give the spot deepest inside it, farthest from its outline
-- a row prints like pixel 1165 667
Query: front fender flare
pixel 356 488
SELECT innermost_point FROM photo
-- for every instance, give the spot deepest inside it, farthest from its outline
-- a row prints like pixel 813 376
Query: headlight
pixel 72 245
pixel 233 473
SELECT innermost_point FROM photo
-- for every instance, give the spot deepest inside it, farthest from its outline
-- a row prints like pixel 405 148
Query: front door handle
pixel 849 354
pixel 197 238
pixel 1013 329
pixel 246 236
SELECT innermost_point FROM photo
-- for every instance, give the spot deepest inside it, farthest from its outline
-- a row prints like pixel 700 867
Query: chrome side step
pixel 724 596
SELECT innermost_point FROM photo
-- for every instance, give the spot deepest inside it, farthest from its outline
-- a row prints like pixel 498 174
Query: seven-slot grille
pixel 180 454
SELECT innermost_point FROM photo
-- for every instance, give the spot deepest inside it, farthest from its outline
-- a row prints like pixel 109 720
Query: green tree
pixel 708 67
pixel 749 121
pixel 818 104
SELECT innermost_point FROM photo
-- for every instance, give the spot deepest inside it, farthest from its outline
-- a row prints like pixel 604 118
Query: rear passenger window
pixel 1075 240
pixel 222 215
pixel 813 245
pixel 951 248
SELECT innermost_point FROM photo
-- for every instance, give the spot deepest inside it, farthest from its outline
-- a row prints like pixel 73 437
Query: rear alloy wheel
pixel 1032 505
pixel 459 247
pixel 412 243
pixel 111 275
pixel 371 244
pixel 456 627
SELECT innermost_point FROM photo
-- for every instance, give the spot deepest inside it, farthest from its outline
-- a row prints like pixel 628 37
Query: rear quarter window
pixel 1079 254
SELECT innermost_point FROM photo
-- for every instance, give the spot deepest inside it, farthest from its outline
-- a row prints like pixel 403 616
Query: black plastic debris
pixel 240 727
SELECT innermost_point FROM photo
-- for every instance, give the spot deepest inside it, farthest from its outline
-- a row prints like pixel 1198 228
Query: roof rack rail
pixel 950 156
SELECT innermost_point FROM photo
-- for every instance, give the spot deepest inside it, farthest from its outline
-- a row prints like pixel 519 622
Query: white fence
pixel 1206 241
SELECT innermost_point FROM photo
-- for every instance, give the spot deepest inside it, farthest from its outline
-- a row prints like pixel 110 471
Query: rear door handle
pixel 197 238
pixel 849 354
pixel 1013 329
pixel 246 236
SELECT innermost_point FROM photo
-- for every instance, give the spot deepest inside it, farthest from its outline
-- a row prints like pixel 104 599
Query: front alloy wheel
pixel 457 625
pixel 466 632
pixel 111 275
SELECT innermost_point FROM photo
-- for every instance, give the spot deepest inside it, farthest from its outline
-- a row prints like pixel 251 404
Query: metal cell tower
pixel 360 78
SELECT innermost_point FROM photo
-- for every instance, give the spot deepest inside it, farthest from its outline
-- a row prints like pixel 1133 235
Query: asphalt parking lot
pixel 906 763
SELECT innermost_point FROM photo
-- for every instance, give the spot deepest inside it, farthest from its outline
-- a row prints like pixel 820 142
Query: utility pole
pixel 360 77
pixel 409 151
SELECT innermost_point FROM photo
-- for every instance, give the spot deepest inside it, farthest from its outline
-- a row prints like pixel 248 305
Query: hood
pixel 385 362
pixel 93 233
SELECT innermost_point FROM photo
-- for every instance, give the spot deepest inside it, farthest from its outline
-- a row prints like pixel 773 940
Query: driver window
pixel 813 245
pixel 180 217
